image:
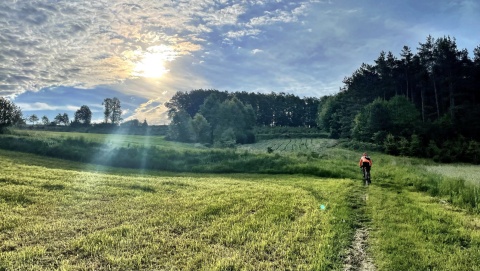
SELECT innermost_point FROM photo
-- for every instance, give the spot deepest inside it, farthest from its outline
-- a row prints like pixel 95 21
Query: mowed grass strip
pixel 413 231
pixel 64 218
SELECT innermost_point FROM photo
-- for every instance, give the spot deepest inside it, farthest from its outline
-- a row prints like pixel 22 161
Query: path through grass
pixel 410 230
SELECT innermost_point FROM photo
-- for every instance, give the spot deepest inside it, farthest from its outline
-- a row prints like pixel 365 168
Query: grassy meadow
pixel 113 140
pixel 470 173
pixel 57 216
pixel 298 207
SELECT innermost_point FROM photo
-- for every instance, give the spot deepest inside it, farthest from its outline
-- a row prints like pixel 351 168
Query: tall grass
pixel 411 231
pixel 173 159
pixel 469 173
pixel 397 173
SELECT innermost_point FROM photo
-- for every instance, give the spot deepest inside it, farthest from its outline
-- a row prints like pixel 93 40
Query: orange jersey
pixel 365 159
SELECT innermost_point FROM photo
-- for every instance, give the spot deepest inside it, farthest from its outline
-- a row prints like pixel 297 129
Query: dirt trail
pixel 357 257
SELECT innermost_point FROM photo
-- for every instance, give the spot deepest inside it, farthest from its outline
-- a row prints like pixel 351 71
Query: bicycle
pixel 366 176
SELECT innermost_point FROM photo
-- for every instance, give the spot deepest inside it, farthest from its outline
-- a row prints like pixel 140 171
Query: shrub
pixel 403 146
pixel 389 145
pixel 433 150
pixel 416 148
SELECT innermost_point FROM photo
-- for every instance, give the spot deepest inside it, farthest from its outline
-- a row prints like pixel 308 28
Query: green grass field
pixel 63 215
pixel 64 218
pixel 470 173
pixel 116 140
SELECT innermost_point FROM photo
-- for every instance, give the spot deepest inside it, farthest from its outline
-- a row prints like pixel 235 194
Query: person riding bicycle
pixel 365 161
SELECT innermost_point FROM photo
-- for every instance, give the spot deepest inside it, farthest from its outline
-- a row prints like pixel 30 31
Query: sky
pixel 57 55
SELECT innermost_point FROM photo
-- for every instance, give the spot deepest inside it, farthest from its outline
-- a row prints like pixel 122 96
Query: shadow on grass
pixel 53 187
pixel 15 198
pixel 143 188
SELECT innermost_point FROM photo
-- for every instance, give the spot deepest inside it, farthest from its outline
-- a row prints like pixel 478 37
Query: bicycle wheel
pixel 365 176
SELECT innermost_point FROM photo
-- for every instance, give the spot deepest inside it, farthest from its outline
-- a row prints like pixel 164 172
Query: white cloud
pixel 256 51
pixel 242 33
pixel 153 111
pixel 46 43
pixel 45 107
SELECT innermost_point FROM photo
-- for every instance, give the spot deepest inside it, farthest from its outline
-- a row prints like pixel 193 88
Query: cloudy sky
pixel 57 55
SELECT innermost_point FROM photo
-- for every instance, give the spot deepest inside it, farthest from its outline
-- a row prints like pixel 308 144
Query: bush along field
pixel 301 206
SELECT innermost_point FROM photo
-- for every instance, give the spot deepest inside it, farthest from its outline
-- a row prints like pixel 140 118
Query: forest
pixel 224 119
pixel 423 104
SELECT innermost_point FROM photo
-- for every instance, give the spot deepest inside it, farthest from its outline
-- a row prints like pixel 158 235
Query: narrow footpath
pixel 357 256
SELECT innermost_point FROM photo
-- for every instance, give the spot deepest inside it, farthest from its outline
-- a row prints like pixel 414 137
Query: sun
pixel 151 66
pixel 152 61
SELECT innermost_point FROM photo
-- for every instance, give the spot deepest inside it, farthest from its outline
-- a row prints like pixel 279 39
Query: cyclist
pixel 365 161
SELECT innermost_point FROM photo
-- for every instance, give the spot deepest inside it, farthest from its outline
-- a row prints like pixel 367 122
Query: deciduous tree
pixel 61 118
pixel 10 114
pixel 83 115
pixel 113 111
pixel 33 119
pixel 45 120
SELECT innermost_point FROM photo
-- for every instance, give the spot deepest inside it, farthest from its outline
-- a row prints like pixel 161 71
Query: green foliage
pixel 45 120
pixel 238 117
pixel 62 119
pixel 180 128
pixel 274 109
pixel 266 132
pixel 225 138
pixel 10 114
pixel 202 129
pixel 404 116
pixel 325 111
pixel 164 158
pixel 433 150
pixel 472 152
pixel 403 146
pixel 220 122
pixel 416 146
pixel 390 145
pixel 447 183
pixel 337 113
pixel 397 116
pixel 430 93
pixel 83 115
pixel 33 119
pixel 372 119
pixel 113 111
pixel 454 150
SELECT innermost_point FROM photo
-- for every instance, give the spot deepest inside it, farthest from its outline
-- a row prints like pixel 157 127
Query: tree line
pixel 10 114
pixel 274 109
pixel 422 104
pixel 225 119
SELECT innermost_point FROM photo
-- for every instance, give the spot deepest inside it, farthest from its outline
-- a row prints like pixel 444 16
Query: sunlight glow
pixel 152 61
